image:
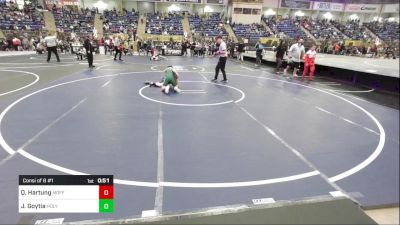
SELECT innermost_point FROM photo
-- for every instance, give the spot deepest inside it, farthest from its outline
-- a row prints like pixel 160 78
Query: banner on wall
pixel 51 3
pixel 188 1
pixel 70 2
pixel 370 8
pixel 295 4
pixel 163 38
pixel 328 6
pixel 220 2
pixel 357 43
pixel 269 41
pixel 390 8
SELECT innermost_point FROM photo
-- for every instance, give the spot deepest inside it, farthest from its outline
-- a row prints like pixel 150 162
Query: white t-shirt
pixel 117 42
pixel 51 41
pixel 222 50
pixel 295 51
pixel 311 54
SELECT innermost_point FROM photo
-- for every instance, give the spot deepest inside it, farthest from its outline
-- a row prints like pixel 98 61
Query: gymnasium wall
pixel 204 9
pixel 246 18
pixel 146 7
pixel 100 4
pixel 164 7
pixel 268 6
pixel 271 3
pixel 129 5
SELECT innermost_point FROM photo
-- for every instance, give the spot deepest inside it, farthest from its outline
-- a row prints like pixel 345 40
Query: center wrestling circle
pixel 242 96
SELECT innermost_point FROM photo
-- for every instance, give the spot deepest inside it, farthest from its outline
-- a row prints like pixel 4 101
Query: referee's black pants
pixel 54 50
pixel 221 66
pixel 90 58
pixel 117 51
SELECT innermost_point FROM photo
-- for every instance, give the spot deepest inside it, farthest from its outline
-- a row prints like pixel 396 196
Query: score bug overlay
pixel 66 194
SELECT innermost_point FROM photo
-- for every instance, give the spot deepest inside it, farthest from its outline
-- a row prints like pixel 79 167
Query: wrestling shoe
pixel 150 83
pixel 177 90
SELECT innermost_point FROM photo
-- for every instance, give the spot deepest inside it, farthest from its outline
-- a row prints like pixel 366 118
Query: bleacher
pixel 196 24
pixel 353 30
pixel 80 22
pixel 209 27
pixel 252 32
pixel 287 26
pixel 213 26
pixel 322 29
pixel 387 31
pixel 115 23
pixel 170 24
pixel 27 19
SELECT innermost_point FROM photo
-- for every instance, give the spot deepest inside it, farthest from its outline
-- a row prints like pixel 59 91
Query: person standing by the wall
pixel 259 53
pixel 241 50
pixel 89 50
pixel 232 49
pixel 9 38
pixel 281 50
pixel 51 43
pixel 163 48
pixel 106 46
pixel 192 47
pixel 183 48
pixel 223 54
pixel 16 43
pixel 117 48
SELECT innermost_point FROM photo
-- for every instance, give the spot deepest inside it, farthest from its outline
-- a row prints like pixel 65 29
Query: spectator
pixel 16 43
pixel 281 51
pixel 241 50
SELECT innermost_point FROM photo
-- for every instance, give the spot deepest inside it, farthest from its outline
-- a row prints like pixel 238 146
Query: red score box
pixel 106 192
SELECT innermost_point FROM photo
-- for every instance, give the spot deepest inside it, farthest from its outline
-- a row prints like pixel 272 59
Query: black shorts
pixel 294 64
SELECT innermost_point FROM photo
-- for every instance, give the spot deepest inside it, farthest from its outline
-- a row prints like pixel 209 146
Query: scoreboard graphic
pixel 66 194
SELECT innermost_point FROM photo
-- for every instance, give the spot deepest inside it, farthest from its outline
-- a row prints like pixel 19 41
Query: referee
pixel 51 43
pixel 89 50
pixel 223 55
